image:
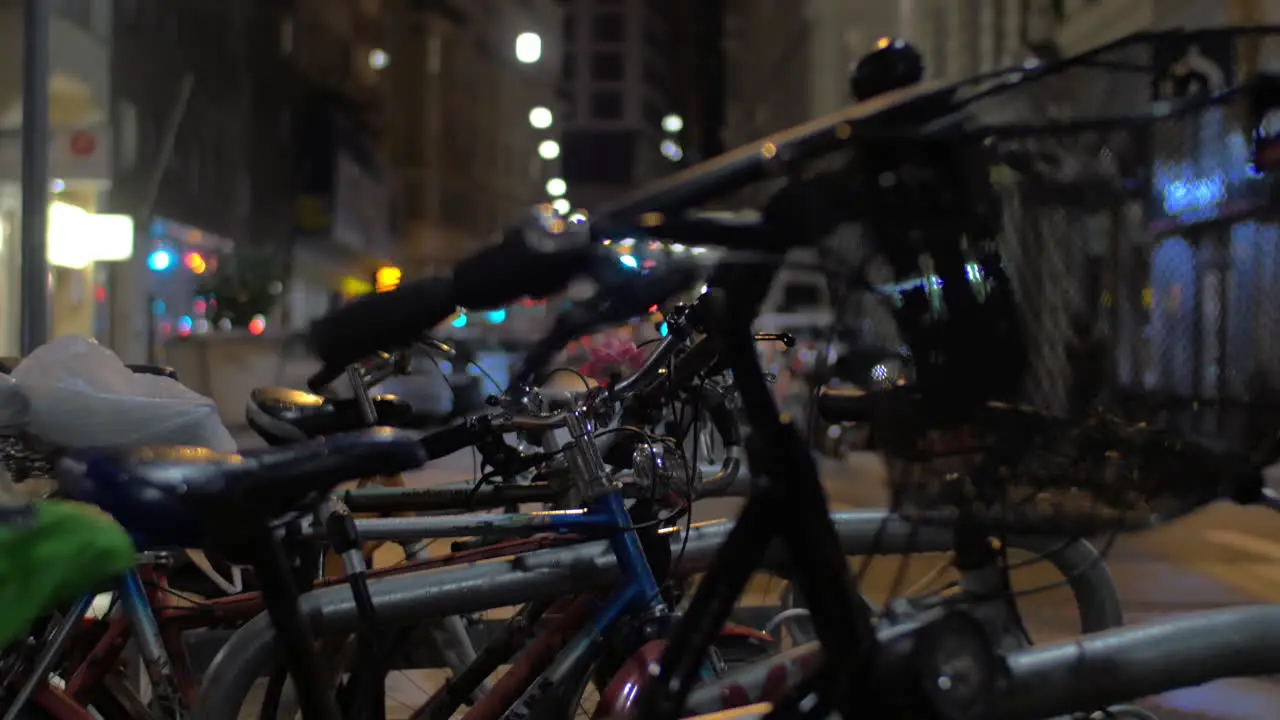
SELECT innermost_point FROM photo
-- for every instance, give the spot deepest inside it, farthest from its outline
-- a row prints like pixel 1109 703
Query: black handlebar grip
pixel 847 404
pixel 318 382
pixel 449 440
pixel 380 321
pixel 511 270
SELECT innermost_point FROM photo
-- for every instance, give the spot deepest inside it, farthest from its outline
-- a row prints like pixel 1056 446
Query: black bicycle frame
pixel 296 640
pixel 790 506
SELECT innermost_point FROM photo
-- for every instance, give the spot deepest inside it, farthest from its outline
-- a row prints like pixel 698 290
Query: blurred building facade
pixel 80 157
pixel 345 223
pixel 697 89
pixel 618 76
pixel 471 114
pixel 201 96
pixel 787 62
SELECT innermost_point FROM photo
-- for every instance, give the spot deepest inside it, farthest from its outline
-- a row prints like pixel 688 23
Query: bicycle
pixel 694 547
pixel 894 668
pixel 218 685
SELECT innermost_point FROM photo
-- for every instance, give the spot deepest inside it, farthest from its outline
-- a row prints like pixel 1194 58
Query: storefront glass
pixel 76 297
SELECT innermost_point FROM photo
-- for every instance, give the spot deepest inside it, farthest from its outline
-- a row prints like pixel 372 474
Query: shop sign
pixel 81 155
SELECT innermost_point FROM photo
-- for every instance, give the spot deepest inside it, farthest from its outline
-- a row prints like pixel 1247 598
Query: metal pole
pixel 34 285
pixel 172 125
pixel 146 205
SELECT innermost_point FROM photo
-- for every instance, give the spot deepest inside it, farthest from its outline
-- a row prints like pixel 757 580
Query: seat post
pixel 297 642
pixel 367 409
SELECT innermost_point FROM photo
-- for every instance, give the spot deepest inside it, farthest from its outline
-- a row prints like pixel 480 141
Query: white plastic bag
pixel 82 395
pixel 15 406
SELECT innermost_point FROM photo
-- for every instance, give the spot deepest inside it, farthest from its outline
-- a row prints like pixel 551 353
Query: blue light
pixel 497 317
pixel 663 330
pixel 160 260
pixel 629 261
pixel 460 321
pixel 158 307
pixel 1194 196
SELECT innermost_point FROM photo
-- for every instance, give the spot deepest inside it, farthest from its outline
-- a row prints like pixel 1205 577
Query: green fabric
pixel 67 550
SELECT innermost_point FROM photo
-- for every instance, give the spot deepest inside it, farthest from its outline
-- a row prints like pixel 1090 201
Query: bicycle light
pixel 659 472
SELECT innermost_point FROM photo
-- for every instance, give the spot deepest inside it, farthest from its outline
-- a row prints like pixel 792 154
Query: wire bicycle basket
pixel 1137 239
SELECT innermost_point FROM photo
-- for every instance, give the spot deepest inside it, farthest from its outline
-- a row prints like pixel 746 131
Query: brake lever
pixel 450 352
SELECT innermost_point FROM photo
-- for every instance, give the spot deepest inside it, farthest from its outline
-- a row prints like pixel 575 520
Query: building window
pixel 655 34
pixel 608 67
pixel 606 105
pixel 599 157
pixel 653 74
pixel 608 28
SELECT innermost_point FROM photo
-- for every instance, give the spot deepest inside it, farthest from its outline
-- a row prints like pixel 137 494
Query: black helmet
pixel 893 64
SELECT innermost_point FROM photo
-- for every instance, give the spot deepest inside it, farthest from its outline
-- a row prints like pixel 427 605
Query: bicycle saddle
pixel 171 496
pixel 281 416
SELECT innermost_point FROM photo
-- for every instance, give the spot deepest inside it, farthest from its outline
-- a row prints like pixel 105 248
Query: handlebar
pixel 651 368
pixel 383 365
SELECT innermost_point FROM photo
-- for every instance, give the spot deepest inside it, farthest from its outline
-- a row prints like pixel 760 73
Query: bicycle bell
pixel 894 64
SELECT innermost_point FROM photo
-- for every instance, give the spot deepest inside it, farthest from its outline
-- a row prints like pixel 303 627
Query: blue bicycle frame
pixel 637 595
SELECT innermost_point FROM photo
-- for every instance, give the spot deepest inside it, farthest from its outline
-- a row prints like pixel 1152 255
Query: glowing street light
pixel 671 150
pixel 548 149
pixel 672 123
pixel 562 206
pixel 557 187
pixel 540 118
pixel 378 58
pixel 528 47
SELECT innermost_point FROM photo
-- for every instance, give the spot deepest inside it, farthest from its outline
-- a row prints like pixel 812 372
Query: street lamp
pixel 671 150
pixel 562 206
pixel 557 187
pixel 528 47
pixel 548 149
pixel 378 58
pixel 672 123
pixel 540 118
